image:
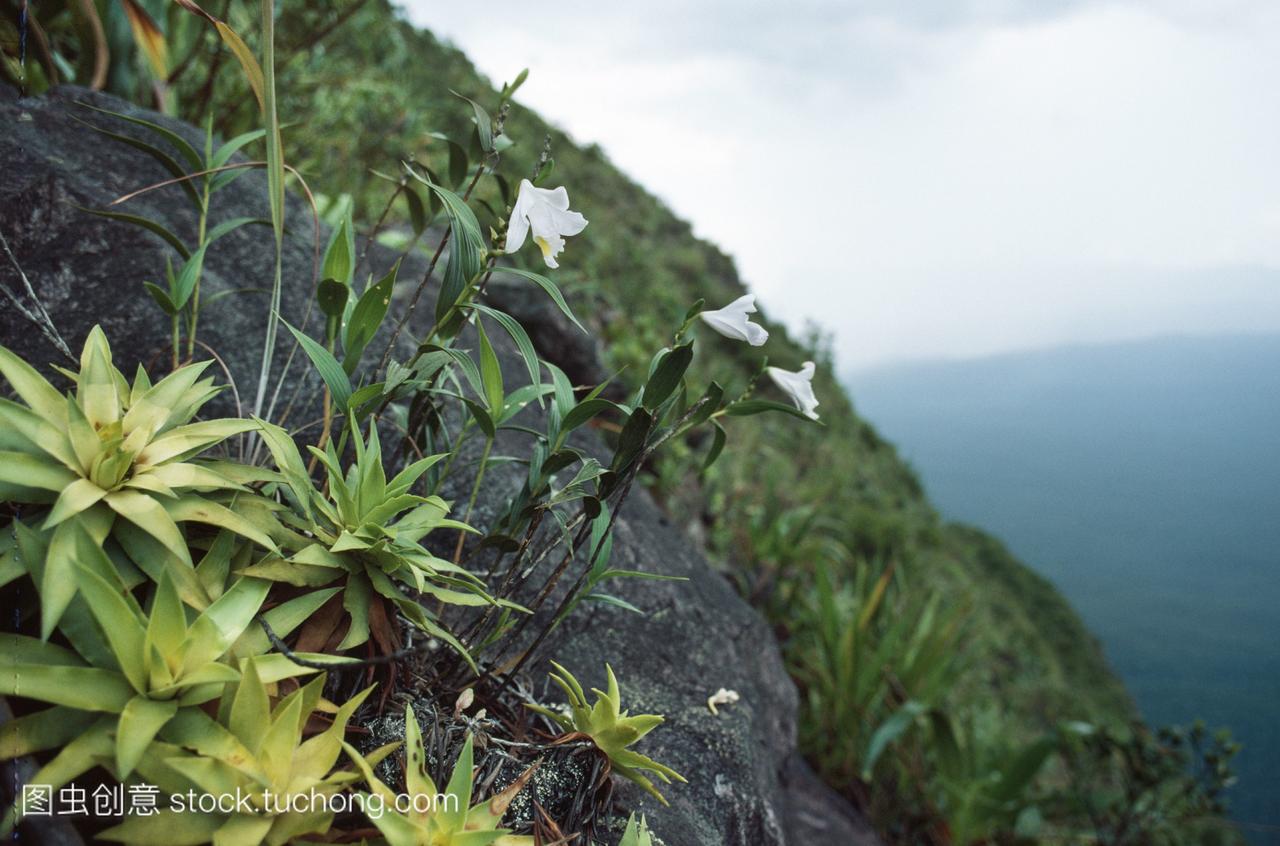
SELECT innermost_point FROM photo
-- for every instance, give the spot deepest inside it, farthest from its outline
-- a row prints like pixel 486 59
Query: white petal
pixel 757 335
pixel 568 222
pixel 798 386
pixel 731 321
pixel 557 198
pixel 518 226
pixel 725 325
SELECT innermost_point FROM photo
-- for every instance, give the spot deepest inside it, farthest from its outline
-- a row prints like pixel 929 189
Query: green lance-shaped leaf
pixel 418 216
pixel 551 289
pixel 468 368
pixel 466 242
pixel 582 413
pixel 462 264
pixel 667 375
pixel 482 417
pixel 340 256
pixel 335 378
pixel 484 124
pixel 33 389
pixel 490 373
pixel 711 399
pixel 518 335
pixel 161 298
pixel 285 453
pixel 166 161
pixel 366 317
pixel 458 164
pixel 224 153
pixel 185 284
pixel 181 144
pixel 332 296
pixel 717 445
pixel 635 432
pixel 226 227
pixel 147 224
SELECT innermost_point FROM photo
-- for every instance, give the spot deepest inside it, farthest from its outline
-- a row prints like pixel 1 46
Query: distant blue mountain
pixel 1143 479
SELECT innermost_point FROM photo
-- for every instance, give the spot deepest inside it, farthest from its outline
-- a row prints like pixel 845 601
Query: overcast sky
pixel 937 178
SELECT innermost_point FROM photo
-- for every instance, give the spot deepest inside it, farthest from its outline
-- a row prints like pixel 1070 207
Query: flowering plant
pixel 183 593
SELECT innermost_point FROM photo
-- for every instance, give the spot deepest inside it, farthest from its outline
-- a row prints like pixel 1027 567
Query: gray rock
pixel 746 784
pixel 90 270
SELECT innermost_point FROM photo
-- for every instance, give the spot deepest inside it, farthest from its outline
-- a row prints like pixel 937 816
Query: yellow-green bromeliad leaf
pixel 259 748
pixel 117 459
pixel 611 728
pixel 453 822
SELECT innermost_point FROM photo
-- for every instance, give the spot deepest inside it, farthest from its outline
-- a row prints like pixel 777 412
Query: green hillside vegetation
pixel 935 669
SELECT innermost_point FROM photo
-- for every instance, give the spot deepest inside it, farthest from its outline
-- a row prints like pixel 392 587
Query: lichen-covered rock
pixel 746 782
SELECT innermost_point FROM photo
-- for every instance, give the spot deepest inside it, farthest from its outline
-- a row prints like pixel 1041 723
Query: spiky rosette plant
pixel 289 779
pixel 117 461
pixel 610 728
pixel 435 818
pixel 139 679
pixel 366 531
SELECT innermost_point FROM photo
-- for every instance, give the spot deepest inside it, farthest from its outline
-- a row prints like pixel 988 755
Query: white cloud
pixel 937 178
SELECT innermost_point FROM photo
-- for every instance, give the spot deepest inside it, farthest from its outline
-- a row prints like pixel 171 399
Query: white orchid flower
pixel 546 212
pixel 798 386
pixel 731 321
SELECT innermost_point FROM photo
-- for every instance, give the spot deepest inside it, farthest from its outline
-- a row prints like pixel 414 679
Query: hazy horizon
pixel 1155 339
pixel 936 178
